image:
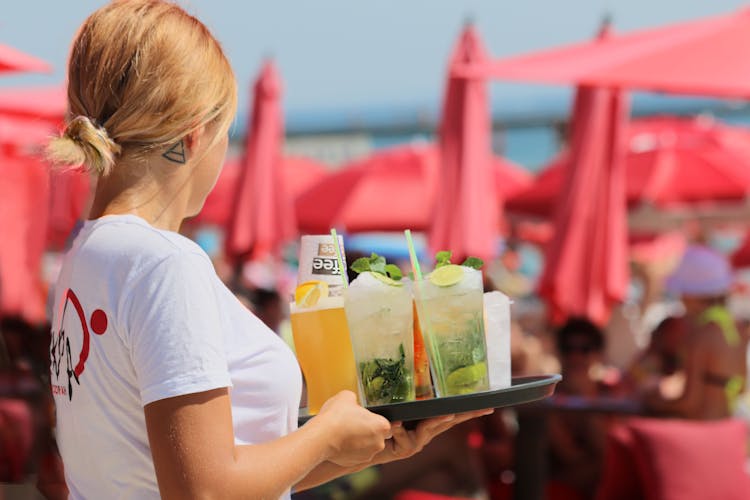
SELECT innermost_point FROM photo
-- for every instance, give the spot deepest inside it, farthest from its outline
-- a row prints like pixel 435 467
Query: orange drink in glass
pixel 324 350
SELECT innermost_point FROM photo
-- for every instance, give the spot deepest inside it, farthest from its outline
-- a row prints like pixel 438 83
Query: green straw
pixel 413 256
pixel 338 256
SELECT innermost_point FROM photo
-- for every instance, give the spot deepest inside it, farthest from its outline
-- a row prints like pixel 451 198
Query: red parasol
pixel 586 270
pixel 299 174
pixel 23 217
pixel 467 213
pixel 390 190
pixel 703 57
pixel 669 162
pixel 15 61
pixel 262 217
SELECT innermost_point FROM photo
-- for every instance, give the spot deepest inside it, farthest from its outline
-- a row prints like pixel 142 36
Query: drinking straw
pixel 413 256
pixel 338 257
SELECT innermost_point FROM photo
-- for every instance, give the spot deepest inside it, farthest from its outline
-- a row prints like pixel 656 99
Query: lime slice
pixel 447 275
pixel 385 279
pixel 466 377
pixel 310 292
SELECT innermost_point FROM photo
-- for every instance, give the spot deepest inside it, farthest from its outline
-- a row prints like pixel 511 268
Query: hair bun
pixel 84 143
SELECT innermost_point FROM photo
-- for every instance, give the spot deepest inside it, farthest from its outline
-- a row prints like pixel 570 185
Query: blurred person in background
pixel 18 336
pixel 715 364
pixel 147 340
pixel 663 357
pixel 577 439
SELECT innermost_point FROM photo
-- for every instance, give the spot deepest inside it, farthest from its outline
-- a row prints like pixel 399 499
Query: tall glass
pixel 324 350
pixel 452 321
pixel 380 318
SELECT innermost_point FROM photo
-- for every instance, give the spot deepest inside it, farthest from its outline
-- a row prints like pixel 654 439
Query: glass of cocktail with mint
pixel 450 306
pixel 379 312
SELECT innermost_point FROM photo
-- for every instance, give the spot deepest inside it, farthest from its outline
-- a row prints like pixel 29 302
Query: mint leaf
pixel 377 264
pixel 474 263
pixel 442 258
pixel 393 271
pixel 361 265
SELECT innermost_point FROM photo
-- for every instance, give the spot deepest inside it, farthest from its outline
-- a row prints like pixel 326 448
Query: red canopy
pixel 703 57
pixel 585 271
pixel 669 161
pixel 467 212
pixel 391 190
pixel 262 216
pixel 298 173
pixel 13 61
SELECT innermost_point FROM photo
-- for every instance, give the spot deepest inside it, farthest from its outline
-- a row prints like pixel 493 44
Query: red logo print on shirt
pixel 60 348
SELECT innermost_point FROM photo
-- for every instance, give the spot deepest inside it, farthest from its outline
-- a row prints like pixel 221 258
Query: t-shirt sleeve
pixel 174 329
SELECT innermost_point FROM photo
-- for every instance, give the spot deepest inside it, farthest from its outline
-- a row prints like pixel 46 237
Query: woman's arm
pixel 192 443
pixel 403 444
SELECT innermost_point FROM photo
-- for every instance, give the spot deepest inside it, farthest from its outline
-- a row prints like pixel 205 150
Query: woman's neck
pixel 160 201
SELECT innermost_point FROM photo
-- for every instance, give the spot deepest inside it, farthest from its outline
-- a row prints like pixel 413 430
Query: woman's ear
pixel 194 139
pixel 184 149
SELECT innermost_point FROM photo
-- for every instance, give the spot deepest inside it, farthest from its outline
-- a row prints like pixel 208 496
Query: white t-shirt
pixel 139 316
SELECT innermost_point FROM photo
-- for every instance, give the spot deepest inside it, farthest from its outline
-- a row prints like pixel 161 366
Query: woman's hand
pixel 406 443
pixel 356 434
pixel 402 445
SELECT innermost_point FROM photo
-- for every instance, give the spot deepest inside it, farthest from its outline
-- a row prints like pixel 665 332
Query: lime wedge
pixel 447 275
pixel 385 279
pixel 466 377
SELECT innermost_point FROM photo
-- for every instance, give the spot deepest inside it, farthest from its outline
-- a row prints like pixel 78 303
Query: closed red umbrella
pixel 262 217
pixel 467 213
pixel 585 271
pixel 298 173
pixel 703 57
pixel 669 162
pixel 391 190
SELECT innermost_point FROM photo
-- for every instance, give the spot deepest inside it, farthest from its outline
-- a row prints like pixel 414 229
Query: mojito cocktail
pixel 380 317
pixel 451 315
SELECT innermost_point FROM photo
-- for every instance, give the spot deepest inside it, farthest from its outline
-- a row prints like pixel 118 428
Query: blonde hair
pixel 142 75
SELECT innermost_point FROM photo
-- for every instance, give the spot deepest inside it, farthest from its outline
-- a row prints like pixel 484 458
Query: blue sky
pixel 344 54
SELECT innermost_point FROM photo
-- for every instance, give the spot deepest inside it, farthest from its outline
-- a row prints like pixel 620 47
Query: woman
pixel 714 359
pixel 164 384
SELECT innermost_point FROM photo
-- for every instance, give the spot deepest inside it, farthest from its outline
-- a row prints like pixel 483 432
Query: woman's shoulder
pixel 129 244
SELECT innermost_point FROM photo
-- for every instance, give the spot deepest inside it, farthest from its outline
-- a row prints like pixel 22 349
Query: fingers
pixel 346 396
pixel 380 425
pixel 428 429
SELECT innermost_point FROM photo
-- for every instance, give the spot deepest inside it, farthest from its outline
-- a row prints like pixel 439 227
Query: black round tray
pixel 522 390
